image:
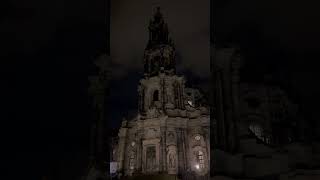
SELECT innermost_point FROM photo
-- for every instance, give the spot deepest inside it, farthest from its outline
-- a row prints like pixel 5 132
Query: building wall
pixel 177 142
pixel 168 133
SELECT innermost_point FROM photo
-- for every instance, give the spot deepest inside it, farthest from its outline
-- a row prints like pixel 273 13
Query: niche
pixel 156 95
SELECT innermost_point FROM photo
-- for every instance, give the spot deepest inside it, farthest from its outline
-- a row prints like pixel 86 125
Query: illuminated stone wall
pixel 179 134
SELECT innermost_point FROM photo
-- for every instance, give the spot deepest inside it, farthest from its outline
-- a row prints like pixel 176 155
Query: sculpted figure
pixel 172 160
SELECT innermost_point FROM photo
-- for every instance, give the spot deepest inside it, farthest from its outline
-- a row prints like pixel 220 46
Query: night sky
pixel 189 27
pixel 48 49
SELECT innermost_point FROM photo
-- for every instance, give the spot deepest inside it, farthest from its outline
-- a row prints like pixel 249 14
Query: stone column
pixel 180 96
pixel 180 153
pixel 146 99
pixel 139 151
pixel 175 94
pixel 170 92
pixel 182 93
pixel 140 100
pixel 187 149
pixel 163 153
pixel 184 145
pixel 122 148
pixel 207 141
pixel 163 93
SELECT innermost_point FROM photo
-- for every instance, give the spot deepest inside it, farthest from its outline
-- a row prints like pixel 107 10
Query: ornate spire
pixel 158 29
pixel 159 55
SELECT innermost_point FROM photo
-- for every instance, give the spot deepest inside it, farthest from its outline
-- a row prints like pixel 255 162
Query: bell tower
pixel 160 88
pixel 159 55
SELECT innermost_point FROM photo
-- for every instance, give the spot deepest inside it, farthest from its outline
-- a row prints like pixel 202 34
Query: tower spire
pixel 158 29
pixel 159 54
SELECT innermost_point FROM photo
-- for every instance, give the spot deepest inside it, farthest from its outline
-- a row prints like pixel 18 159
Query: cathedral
pixel 257 132
pixel 170 133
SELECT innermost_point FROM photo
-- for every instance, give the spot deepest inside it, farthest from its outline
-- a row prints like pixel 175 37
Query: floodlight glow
pixel 197 166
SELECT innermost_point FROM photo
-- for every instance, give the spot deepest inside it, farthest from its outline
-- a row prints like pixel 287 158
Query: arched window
pixel 201 159
pixel 156 95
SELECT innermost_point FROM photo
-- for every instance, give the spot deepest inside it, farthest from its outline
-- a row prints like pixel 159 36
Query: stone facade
pixel 170 134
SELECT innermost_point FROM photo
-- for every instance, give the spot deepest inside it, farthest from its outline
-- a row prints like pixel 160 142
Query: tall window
pixel 156 95
pixel 201 160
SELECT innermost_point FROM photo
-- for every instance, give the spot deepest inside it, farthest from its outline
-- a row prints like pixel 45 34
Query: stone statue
pixel 172 160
